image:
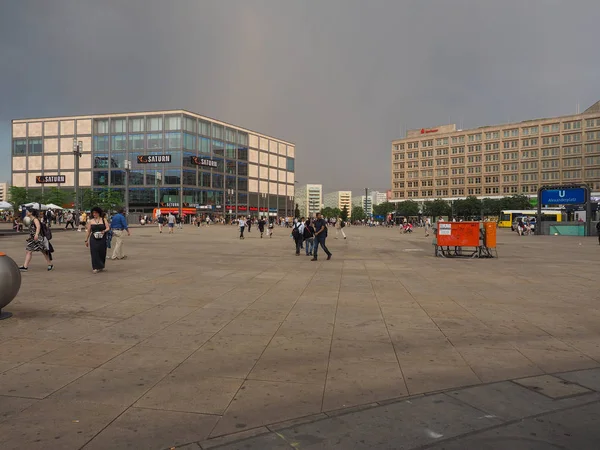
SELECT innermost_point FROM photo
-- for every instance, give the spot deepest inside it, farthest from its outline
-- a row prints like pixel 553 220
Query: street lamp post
pixel 230 193
pixel 77 150
pixel 158 179
pixel 127 165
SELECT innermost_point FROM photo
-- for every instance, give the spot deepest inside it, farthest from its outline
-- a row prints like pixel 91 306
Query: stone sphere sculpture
pixel 10 283
pixel 27 221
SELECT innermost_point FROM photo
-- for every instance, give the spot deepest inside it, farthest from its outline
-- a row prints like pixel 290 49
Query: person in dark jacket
pixel 320 236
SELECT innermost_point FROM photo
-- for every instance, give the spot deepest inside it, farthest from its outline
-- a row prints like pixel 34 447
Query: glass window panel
pixel 101 126
pixel 119 125
pixel 242 168
pixel 136 142
pixel 189 141
pixel 290 164
pixel 242 138
pixel 204 145
pixel 20 147
pixel 243 153
pixel 117 160
pixel 217 131
pixel 230 135
pixel 189 177
pixel 217 148
pixel 230 167
pixel 172 177
pixel 154 141
pixel 154 124
pixel 217 181
pixel 35 146
pixel 204 179
pixel 100 178
pixel 189 124
pixel 242 184
pixel 100 143
pixel 230 183
pixel 136 125
pixel 204 128
pixel 173 140
pixel 117 178
pixel 136 177
pixel 187 160
pixel 100 161
pixel 175 159
pixel 231 151
pixel 242 198
pixel 119 142
pixel 151 177
pixel 173 123
pixel 220 165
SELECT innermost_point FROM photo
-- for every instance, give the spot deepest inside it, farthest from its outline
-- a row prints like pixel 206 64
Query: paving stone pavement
pixel 199 335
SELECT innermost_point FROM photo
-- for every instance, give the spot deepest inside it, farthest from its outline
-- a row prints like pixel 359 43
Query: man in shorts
pixel 171 222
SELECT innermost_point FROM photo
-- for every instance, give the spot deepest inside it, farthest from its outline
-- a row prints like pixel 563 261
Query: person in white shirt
pixel 298 233
pixel 242 222
pixel 171 223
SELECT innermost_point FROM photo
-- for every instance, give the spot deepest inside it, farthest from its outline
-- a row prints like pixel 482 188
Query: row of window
pixel 169 177
pixel 169 123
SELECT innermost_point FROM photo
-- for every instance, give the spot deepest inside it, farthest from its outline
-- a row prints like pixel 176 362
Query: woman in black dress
pixel 97 227
pixel 35 242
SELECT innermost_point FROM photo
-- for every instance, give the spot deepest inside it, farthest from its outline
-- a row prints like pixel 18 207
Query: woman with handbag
pixel 35 242
pixel 97 228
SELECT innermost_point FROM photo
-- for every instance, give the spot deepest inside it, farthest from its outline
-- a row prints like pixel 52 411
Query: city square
pixel 199 339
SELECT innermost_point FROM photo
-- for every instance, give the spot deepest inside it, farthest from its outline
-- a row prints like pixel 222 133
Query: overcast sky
pixel 339 78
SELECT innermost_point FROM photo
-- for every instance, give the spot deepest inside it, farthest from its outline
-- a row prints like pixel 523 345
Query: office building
pixel 365 202
pixel 378 197
pixel 178 159
pixel 309 199
pixel 3 192
pixel 498 160
pixel 339 199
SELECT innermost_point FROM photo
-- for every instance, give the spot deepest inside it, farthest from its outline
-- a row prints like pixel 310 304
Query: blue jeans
pixel 320 240
pixel 310 243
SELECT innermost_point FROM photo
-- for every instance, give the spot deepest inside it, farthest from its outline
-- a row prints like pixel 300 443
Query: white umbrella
pixel 5 205
pixel 52 206
pixel 37 206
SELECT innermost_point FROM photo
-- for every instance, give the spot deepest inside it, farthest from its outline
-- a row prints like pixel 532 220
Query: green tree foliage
pixel 18 196
pixel 383 209
pixel 107 199
pixel 491 206
pixel 330 213
pixel 407 208
pixel 358 213
pixel 344 214
pixel 58 196
pixel 436 208
pixel 467 208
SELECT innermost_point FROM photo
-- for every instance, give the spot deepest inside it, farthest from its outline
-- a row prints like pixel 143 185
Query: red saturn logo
pixel 431 130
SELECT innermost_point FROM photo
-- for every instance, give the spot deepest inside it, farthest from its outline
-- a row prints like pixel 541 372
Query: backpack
pixel 598 227
pixel 308 233
pixel 45 231
pixel 296 231
pixel 342 224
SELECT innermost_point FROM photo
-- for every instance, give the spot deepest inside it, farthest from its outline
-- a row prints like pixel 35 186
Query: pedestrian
pixel 82 221
pixel 242 223
pixel 520 226
pixel 118 226
pixel 171 222
pixel 297 234
pixel 427 227
pixel 598 230
pixel 69 221
pixel 36 241
pixel 179 221
pixel 339 227
pixel 97 230
pixel 309 237
pixel 320 236
pixel 271 228
pixel 261 226
pixel 249 223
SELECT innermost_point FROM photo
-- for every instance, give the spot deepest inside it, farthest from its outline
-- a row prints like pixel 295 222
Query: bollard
pixel 10 283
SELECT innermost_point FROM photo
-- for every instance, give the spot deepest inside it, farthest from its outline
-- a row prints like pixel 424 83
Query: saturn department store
pixel 176 159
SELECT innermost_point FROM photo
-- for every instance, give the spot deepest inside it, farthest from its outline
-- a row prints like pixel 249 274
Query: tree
pixel 329 212
pixel 344 213
pixel 491 206
pixel 297 212
pixel 469 207
pixel 358 213
pixel 383 209
pixel 18 196
pixel 336 212
pixel 408 208
pixel 107 199
pixel 436 208
pixel 58 197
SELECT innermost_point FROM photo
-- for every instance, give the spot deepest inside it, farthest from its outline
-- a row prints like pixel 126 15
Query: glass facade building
pixel 177 159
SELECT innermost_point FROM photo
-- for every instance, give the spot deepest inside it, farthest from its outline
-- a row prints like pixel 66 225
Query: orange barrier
pixel 490 234
pixel 458 234
pixel 472 239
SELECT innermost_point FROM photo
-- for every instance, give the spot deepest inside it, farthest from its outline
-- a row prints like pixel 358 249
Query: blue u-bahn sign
pixel 569 196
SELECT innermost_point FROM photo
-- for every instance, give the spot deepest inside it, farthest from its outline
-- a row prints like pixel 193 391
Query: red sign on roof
pixel 430 130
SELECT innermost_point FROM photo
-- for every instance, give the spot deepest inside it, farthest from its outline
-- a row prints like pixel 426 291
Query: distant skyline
pixel 341 79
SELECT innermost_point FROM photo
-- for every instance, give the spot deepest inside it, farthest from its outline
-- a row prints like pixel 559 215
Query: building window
pixel 100 178
pixel 155 141
pixel 101 126
pixel 136 125
pixel 19 147
pixel 119 126
pixel 172 123
pixel 189 124
pixel 242 153
pixel 35 146
pixel 217 131
pixel 173 141
pixel 204 128
pixel 290 165
pixel 242 138
pixel 204 145
pixel 189 141
pixel 119 142
pixel 154 124
pixel 136 142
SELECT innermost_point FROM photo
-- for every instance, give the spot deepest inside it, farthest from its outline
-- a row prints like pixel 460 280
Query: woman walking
pixel 35 242
pixel 97 228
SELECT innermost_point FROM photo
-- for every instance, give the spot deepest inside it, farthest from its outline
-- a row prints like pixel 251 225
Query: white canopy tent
pixel 37 206
pixel 5 205
pixel 53 206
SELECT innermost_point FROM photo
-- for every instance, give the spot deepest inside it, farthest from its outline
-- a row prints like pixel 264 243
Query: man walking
pixel 242 223
pixel 261 226
pixel 320 226
pixel 171 223
pixel 118 225
pixel 598 230
pixel 339 228
pixel 297 234
pixel 70 221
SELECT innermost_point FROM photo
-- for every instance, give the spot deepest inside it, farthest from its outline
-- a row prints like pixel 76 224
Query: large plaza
pixel 199 335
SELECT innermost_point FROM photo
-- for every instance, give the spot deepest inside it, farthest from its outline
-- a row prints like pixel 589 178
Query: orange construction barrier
pixel 458 234
pixel 490 234
pixel 472 239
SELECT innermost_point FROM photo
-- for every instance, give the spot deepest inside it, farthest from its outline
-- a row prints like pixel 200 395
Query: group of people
pixel 246 223
pixel 101 233
pixel 310 234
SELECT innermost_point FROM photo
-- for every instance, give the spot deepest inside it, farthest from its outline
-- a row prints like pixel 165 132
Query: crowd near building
pixel 499 160
pixel 309 199
pixel 174 159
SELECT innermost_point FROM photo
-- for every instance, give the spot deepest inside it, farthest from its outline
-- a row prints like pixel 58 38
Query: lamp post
pixel 230 193
pixel 158 179
pixel 127 165
pixel 77 150
pixel 264 197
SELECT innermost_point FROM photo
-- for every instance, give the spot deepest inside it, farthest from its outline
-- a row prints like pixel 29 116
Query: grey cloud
pixel 340 78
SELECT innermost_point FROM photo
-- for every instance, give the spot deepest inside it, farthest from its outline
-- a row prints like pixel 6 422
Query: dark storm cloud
pixel 340 78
